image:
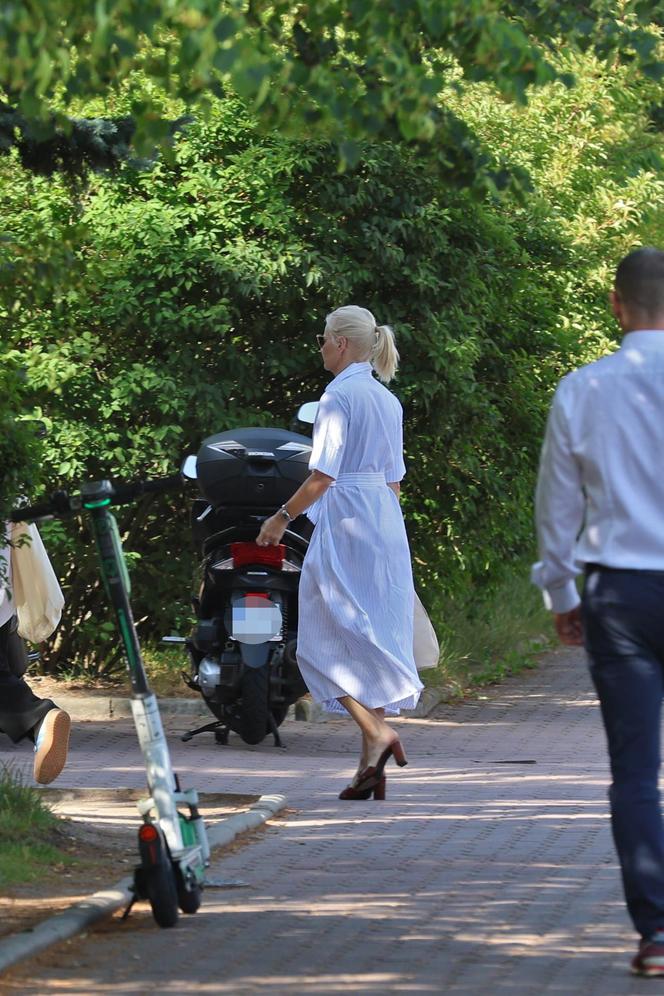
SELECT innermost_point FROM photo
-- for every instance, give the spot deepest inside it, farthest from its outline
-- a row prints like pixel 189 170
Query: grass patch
pixel 26 828
pixel 486 636
pixel 163 667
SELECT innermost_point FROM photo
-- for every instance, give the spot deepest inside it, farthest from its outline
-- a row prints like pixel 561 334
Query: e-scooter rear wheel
pixel 162 893
pixel 157 876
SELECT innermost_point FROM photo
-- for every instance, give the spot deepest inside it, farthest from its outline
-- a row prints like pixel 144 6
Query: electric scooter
pixel 172 840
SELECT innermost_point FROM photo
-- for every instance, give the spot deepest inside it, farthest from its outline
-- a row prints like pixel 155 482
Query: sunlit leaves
pixel 350 69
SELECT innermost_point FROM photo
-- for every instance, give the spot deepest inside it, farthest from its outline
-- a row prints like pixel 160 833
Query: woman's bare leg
pixel 364 757
pixel 376 734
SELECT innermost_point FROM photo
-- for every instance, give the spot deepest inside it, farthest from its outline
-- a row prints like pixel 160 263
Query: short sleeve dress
pixel 355 631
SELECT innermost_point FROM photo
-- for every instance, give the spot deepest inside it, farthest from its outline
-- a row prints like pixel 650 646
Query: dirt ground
pixel 50 688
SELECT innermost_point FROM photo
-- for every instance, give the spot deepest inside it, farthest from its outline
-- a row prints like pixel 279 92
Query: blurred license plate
pixel 256 620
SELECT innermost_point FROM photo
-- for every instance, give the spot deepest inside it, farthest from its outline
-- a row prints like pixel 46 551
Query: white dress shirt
pixel 600 491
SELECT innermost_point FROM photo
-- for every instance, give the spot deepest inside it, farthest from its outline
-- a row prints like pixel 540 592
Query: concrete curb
pixel 87 912
pixel 222 833
pixel 84 708
pixel 87 708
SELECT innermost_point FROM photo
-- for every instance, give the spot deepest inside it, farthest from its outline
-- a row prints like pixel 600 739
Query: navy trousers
pixel 623 616
pixel 20 708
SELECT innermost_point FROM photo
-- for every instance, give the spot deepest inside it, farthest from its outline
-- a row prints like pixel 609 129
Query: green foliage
pixel 75 146
pixel 348 69
pixel 194 293
pixel 18 436
pixel 487 633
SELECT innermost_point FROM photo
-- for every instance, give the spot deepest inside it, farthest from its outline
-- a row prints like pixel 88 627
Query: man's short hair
pixel 640 280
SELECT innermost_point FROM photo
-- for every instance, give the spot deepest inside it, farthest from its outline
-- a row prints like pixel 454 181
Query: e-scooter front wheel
pixel 189 899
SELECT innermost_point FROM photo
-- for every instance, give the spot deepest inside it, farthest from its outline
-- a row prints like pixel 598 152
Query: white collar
pixel 352 369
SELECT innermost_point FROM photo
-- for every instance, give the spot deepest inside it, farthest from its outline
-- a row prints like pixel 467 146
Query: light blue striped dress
pixel 355 630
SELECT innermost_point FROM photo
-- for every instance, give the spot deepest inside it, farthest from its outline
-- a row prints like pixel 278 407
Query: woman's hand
pixel 272 531
pixel 313 488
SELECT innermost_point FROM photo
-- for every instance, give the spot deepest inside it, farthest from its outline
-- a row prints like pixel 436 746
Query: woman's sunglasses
pixel 320 339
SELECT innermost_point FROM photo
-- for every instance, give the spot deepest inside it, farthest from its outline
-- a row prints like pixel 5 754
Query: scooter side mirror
pixel 307 412
pixel 189 467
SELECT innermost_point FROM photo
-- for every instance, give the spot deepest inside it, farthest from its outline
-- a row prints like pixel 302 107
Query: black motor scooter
pixel 243 646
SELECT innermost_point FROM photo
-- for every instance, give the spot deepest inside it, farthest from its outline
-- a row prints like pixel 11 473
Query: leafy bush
pixel 197 289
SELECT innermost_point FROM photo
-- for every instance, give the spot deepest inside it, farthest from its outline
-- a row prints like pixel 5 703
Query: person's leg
pixel 25 716
pixel 630 693
pixel 376 733
pixel 364 755
pixel 622 622
pixel 20 709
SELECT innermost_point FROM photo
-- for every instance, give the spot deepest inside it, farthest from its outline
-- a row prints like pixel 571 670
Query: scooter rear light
pixel 252 553
pixel 148 833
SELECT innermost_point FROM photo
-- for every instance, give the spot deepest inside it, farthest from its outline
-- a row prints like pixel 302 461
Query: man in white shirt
pixel 22 714
pixel 600 510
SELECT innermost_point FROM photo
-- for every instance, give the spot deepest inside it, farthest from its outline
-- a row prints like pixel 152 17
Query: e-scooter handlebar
pixel 61 503
pixel 124 493
pixel 57 505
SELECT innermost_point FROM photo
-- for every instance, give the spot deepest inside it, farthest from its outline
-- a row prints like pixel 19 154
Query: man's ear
pixel 616 304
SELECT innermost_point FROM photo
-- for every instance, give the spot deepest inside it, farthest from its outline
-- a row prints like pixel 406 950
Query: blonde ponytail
pixel 385 356
pixel 371 342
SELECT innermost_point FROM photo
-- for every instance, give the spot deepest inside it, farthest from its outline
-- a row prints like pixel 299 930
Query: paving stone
pixel 490 867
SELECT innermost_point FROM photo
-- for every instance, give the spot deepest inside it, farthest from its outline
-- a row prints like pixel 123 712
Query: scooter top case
pixel 252 468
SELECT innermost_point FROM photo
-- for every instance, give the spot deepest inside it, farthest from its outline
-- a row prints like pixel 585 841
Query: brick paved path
pixel 489 869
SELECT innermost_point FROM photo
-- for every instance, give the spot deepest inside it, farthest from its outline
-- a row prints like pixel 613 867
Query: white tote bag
pixel 425 642
pixel 37 595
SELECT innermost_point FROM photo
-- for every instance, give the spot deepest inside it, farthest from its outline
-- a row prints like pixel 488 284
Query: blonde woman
pixel 355 639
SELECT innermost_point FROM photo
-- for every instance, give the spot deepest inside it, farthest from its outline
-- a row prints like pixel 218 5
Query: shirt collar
pixel 352 369
pixel 640 338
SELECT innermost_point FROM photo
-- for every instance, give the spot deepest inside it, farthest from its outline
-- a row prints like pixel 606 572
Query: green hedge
pixel 196 290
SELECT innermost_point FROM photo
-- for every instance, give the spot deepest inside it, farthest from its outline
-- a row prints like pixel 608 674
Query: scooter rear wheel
pixel 253 726
pixel 162 892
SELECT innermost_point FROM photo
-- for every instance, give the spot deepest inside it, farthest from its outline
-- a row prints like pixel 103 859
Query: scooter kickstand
pixel 274 730
pixel 130 906
pixel 208 728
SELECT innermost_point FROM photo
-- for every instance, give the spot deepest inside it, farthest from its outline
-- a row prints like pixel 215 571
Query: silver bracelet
pixel 286 514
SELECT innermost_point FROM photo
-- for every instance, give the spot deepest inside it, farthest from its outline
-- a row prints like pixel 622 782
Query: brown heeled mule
pixel 377 790
pixel 371 775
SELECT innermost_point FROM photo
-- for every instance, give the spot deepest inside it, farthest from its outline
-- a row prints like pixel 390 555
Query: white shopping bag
pixel 425 642
pixel 37 595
